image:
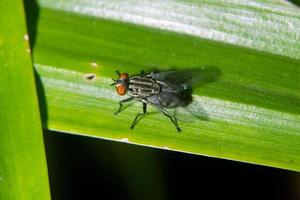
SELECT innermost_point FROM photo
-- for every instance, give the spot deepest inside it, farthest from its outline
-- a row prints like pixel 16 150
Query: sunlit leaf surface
pixel 247 108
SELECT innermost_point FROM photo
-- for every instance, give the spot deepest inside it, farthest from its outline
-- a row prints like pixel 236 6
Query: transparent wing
pixel 173 81
pixel 188 77
pixel 176 95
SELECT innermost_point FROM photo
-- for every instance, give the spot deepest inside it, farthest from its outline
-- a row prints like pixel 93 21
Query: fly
pixel 163 90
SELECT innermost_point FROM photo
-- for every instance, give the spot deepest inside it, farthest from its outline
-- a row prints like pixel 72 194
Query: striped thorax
pixel 143 87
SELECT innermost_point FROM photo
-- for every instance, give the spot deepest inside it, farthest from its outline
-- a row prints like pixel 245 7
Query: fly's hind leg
pixel 167 114
pixel 174 121
pixel 121 104
pixel 136 119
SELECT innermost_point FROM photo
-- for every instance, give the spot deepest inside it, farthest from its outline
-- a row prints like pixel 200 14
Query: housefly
pixel 162 90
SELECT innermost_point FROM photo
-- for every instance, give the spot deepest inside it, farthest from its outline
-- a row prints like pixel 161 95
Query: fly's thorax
pixel 143 87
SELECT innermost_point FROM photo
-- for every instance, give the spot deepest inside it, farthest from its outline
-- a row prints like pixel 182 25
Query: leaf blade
pixel 23 169
pixel 253 108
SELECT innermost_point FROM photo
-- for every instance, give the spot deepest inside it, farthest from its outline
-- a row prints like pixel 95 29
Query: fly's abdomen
pixel 143 87
pixel 170 99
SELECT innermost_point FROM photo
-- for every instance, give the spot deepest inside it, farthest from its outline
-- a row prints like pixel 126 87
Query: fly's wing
pixel 188 78
pixel 173 81
pixel 173 76
pixel 175 90
pixel 171 96
pixel 176 94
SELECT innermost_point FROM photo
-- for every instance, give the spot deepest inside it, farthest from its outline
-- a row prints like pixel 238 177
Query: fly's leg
pixel 139 115
pixel 174 121
pixel 167 114
pixel 121 104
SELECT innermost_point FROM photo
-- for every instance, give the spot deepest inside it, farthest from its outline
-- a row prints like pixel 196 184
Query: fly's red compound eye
pixel 123 76
pixel 121 90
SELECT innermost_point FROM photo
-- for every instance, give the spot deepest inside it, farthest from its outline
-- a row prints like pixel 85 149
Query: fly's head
pixel 121 83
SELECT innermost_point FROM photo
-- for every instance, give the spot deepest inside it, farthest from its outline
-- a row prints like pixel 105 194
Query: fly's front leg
pixel 121 104
pixel 139 115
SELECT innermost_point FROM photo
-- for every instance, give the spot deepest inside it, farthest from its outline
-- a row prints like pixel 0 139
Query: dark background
pixel 90 168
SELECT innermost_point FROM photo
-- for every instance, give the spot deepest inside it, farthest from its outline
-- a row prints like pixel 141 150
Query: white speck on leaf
pixel 26 37
pixel 93 64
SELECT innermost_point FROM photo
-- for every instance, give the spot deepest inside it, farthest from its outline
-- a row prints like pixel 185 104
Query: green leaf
pixel 23 170
pixel 265 25
pixel 247 108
